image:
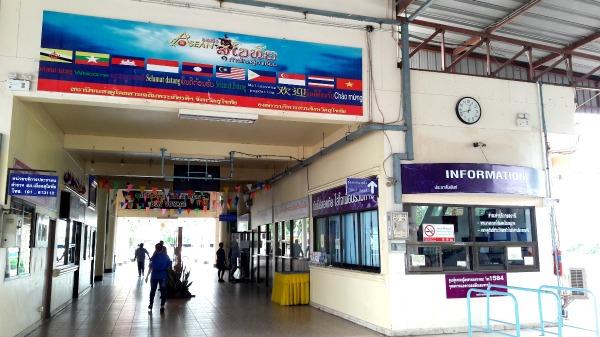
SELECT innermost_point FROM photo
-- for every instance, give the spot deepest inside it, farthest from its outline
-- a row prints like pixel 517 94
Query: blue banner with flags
pixel 100 56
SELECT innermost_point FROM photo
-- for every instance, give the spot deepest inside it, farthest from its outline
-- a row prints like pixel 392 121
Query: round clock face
pixel 468 110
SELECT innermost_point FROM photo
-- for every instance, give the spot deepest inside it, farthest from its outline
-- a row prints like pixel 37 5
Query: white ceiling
pixel 134 123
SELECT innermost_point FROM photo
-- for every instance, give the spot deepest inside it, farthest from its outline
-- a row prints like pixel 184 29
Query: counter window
pixel 446 238
pixel 19 238
pixel 350 240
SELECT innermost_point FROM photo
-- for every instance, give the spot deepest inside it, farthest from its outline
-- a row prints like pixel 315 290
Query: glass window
pixel 463 238
pixel 19 235
pixel 455 258
pixel 428 222
pixel 351 242
pixel 61 243
pixel 320 235
pixel 494 224
pixel 335 239
pixel 491 256
pixel 370 239
pixel 300 236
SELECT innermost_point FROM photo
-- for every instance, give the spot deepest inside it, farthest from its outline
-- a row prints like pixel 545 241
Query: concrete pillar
pixel 101 208
pixel 109 254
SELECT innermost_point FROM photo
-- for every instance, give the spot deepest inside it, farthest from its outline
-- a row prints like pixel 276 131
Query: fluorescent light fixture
pixel 217 116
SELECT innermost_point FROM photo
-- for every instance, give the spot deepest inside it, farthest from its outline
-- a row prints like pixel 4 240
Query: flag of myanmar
pixel 91 59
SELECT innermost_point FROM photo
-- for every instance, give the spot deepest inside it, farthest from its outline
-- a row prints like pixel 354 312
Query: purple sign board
pixel 336 201
pixel 472 178
pixel 457 285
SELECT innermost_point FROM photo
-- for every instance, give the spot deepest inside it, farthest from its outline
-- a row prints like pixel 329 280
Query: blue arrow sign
pixel 361 186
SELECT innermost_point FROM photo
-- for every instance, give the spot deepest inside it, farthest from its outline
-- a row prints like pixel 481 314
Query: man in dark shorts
pixel 140 256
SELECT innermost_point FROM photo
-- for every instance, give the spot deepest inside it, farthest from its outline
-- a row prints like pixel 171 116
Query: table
pixel 291 288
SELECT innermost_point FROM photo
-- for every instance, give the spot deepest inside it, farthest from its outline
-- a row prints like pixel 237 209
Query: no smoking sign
pixel 438 233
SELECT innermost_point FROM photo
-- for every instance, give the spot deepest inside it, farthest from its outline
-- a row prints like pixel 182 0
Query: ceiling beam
pixel 420 10
pixel 497 25
pixel 568 49
pixel 590 73
pixel 507 62
pixel 402 5
pixel 499 38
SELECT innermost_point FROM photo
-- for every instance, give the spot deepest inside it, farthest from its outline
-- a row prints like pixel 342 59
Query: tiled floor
pixel 118 307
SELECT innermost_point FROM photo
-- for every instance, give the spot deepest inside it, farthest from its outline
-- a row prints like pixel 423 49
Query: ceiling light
pixel 217 116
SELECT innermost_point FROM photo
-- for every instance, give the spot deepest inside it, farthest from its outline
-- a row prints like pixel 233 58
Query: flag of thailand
pixel 321 81
pixel 261 76
pixel 292 79
pixel 198 69
pixel 231 73
pixel 163 65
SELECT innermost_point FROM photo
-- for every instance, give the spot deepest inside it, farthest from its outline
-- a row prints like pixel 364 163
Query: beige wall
pixel 36 141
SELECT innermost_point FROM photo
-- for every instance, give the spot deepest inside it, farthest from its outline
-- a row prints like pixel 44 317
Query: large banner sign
pixel 472 178
pixel 98 56
pixel 190 200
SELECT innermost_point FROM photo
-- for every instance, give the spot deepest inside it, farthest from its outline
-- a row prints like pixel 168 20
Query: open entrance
pixel 195 250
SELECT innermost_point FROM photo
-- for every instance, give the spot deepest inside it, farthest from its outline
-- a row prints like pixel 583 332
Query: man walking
pixel 160 264
pixel 140 256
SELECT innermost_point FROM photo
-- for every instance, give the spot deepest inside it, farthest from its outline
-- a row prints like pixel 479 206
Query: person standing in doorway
pixel 234 255
pixel 140 256
pixel 297 249
pixel 221 262
pixel 160 264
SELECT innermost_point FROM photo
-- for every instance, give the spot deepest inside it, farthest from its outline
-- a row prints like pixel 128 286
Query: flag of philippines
pixel 261 76
pixel 199 69
pixel 127 61
pixel 292 79
pixel 321 81
pixel 165 66
pixel 231 73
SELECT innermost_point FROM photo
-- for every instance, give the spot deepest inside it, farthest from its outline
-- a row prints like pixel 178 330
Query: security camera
pixel 479 144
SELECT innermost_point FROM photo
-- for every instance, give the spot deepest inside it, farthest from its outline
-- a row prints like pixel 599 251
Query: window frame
pixel 22 207
pixel 330 241
pixel 473 245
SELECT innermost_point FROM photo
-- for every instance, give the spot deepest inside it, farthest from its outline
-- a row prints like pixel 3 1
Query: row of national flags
pixel 199 69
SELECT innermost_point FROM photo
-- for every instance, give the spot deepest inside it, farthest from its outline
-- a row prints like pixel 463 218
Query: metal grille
pixel 577 277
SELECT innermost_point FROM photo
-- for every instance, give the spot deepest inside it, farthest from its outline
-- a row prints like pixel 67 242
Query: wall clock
pixel 468 110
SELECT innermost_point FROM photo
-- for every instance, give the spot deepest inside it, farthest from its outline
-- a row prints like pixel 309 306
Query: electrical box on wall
pixel 523 120
pixel 12 224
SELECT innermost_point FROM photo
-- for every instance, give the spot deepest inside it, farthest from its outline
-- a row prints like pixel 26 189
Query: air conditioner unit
pixel 12 225
pixel 217 116
pixel 578 280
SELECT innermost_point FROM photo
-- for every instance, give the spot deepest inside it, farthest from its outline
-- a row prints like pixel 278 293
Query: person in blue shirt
pixel 160 264
pixel 140 256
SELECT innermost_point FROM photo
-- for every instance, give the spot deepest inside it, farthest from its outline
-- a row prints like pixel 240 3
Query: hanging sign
pixel 134 199
pixel 292 210
pixel 335 201
pixel 472 178
pixel 361 186
pixel 99 56
pixel 33 185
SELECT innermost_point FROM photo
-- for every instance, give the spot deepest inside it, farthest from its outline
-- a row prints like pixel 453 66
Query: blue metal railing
pixel 539 292
pixel 558 290
pixel 488 327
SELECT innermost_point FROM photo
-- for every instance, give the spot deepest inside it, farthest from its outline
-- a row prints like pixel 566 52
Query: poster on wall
pixel 100 56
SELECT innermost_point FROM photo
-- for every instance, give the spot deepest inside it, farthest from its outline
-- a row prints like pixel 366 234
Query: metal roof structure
pixel 545 34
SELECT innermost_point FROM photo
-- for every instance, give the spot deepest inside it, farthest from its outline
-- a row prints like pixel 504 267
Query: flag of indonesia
pixel 163 65
pixel 348 84
pixel 293 79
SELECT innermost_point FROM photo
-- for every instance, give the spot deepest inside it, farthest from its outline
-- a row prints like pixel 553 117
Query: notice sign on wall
pixel 99 56
pixel 438 233
pixel 457 285
pixel 33 185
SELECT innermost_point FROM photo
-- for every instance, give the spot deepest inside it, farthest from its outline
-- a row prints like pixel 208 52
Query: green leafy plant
pixel 178 283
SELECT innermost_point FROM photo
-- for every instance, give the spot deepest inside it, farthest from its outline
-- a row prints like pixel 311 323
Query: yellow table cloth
pixel 291 288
